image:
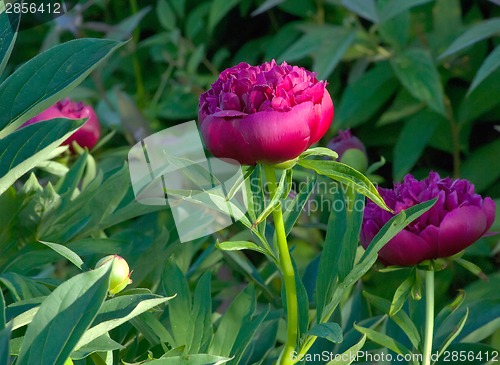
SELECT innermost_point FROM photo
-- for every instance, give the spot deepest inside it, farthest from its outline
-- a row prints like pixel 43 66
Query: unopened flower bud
pixel 350 149
pixel 120 273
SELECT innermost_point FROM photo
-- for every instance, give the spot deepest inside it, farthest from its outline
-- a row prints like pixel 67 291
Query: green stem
pixel 288 273
pixel 429 316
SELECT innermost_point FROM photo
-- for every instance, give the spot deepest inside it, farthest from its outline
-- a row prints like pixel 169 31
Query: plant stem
pixel 429 316
pixel 285 262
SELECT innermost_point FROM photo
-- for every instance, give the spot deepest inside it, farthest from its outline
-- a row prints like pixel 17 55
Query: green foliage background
pixel 416 80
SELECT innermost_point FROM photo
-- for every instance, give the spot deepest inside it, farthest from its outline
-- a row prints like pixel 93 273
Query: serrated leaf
pixel 63 317
pixel 41 81
pixel 476 33
pixel 418 74
pixel 25 148
pixel 348 176
pixel 331 331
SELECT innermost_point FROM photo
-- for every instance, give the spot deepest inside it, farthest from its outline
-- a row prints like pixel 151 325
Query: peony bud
pixel 120 273
pixel 350 149
pixel 89 132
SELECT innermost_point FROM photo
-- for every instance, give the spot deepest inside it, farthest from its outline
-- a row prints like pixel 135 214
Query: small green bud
pixel 120 273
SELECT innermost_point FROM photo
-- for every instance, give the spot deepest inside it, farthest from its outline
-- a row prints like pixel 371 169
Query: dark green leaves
pixel 41 81
pixel 475 34
pixel 418 74
pixel 63 318
pixel 331 331
pixel 22 150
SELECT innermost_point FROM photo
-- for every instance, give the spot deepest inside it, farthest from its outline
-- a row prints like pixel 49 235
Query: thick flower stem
pixel 287 271
pixel 429 316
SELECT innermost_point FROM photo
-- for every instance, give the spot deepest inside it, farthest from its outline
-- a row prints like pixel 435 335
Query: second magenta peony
pixel 264 114
pixel 458 219
pixel 89 132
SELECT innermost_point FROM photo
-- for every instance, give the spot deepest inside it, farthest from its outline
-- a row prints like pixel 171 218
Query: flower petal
pixel 406 249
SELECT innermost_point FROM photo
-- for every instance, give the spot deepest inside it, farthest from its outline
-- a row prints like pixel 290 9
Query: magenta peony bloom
pixel 269 113
pixel 458 219
pixel 350 149
pixel 87 135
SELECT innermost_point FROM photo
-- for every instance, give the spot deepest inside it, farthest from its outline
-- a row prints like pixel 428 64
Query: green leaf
pixel 412 140
pixel 472 268
pixel 319 151
pixel 63 317
pixel 479 101
pixel 331 52
pixel 364 8
pixel 418 74
pixel 174 283
pixel 9 23
pixel 233 321
pixel 394 7
pixel 456 331
pixel 198 359
pixel 482 167
pixel 476 33
pixel 67 253
pixel 275 200
pixel 363 98
pixel 117 311
pixel 331 331
pixel 403 106
pixel 339 248
pixel 293 210
pixel 401 294
pixel 4 346
pixel 348 356
pixel 2 310
pixel 201 314
pixel 400 318
pixel 25 148
pixel 218 9
pixel 22 287
pixel 100 344
pixel 348 176
pixel 490 64
pixel 71 180
pixel 383 340
pixel 242 245
pixel 43 80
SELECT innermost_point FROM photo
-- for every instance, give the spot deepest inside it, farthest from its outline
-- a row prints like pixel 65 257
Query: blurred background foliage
pixel 416 80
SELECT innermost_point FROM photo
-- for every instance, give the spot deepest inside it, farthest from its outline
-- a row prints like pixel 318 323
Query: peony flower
pixel 458 219
pixel 269 113
pixel 350 149
pixel 120 273
pixel 87 135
